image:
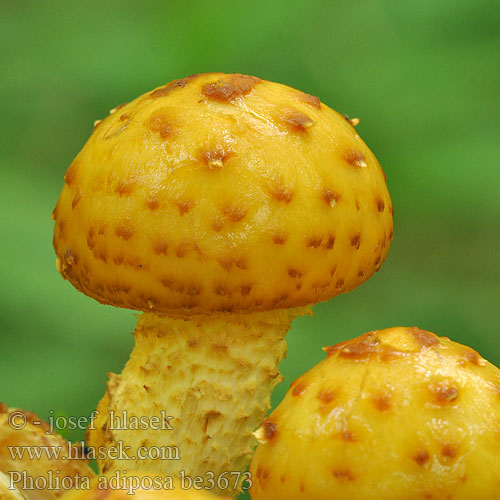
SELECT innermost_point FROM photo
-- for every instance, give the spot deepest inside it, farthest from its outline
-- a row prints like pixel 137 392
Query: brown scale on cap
pixel 449 451
pixel 296 121
pixel 169 87
pixel 76 198
pixel 125 187
pixel 71 173
pixel 330 197
pixel 282 193
pixel 279 239
pixel 339 284
pixel 380 204
pixel 382 402
pixel 352 121
pixel 230 87
pixel 90 238
pixel 327 395
pixel 343 474
pixel 160 123
pixel 172 285
pixel 445 392
pixel 355 158
pixel 152 203
pixel 314 241
pixel 264 474
pixel 421 457
pixel 186 247
pixel 294 273
pixel 329 242
pixel 348 436
pixel 471 356
pixel 124 231
pixel 362 348
pixel 312 100
pixel 425 339
pixel 229 263
pixel 184 206
pixel 234 212
pixel 299 386
pixel 216 157
pixel 370 344
pixel 102 256
pixel 356 240
pixel 270 430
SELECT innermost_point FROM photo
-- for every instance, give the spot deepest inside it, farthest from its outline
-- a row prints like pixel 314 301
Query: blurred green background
pixel 424 77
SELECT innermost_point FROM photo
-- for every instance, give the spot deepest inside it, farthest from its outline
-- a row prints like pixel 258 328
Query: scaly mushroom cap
pixel 21 428
pixel 394 414
pixel 222 193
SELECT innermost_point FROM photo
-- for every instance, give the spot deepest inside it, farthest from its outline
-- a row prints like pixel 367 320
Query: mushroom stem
pixel 213 375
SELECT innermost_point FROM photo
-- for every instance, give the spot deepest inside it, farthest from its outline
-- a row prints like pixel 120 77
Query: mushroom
pixel 141 486
pixel 394 414
pixel 221 206
pixel 53 466
pixel 7 491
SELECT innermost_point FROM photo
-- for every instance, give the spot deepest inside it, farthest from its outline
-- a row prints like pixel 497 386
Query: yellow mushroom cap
pixel 222 193
pixel 54 463
pixel 394 414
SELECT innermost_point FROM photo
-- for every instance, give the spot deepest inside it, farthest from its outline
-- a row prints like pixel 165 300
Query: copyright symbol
pixel 17 420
